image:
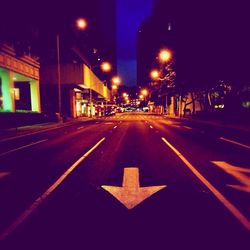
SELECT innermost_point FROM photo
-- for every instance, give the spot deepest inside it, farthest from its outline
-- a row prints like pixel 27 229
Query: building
pixel 19 81
pixel 156 32
pixel 82 92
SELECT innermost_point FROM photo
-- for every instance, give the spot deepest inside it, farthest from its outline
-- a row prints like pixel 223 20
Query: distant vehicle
pixel 145 109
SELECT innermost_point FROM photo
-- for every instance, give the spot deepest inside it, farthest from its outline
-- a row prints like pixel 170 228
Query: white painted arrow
pixel 239 173
pixel 131 194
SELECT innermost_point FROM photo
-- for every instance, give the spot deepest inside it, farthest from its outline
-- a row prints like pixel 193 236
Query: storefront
pixel 81 90
pixel 19 82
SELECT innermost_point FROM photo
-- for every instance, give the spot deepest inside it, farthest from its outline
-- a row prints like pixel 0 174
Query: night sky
pixel 130 14
pixel 217 30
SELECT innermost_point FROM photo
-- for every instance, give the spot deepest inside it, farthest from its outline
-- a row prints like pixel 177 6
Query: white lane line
pixel 115 127
pixel 151 126
pixel 80 127
pixel 187 127
pixel 4 174
pixel 33 133
pixel 234 211
pixel 20 148
pixel 235 142
pixel 175 126
pixel 23 216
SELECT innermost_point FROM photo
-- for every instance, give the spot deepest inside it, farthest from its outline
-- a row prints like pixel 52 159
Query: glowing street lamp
pixel 154 74
pixel 116 80
pixel 106 66
pixel 144 92
pixel 165 55
pixel 81 23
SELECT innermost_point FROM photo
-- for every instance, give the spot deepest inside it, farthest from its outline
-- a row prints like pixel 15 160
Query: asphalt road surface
pixel 58 187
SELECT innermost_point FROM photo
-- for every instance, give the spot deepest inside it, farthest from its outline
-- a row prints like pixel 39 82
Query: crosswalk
pixel 134 116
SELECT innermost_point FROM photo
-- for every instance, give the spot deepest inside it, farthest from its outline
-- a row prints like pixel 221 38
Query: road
pixel 53 195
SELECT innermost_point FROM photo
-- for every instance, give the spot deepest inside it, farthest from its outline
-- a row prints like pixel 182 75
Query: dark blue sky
pixel 130 14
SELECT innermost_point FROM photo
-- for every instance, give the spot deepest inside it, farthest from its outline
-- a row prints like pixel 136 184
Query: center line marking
pixel 151 126
pixel 23 216
pixel 115 127
pixel 187 127
pixel 26 146
pixel 235 142
pixel 234 210
pixel 80 127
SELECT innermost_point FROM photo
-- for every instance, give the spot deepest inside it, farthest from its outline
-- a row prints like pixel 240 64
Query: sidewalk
pixel 37 128
pixel 217 123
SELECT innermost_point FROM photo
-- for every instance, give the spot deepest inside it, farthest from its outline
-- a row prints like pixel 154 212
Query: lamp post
pixel 144 92
pixel 81 24
pixel 105 67
pixel 116 80
pixel 59 78
pixel 164 56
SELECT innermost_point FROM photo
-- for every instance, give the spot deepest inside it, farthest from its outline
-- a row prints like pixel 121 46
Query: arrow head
pixel 131 194
pixel 129 198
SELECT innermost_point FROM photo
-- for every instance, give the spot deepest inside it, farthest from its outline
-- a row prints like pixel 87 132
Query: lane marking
pixel 175 126
pixel 235 142
pixel 80 127
pixel 151 126
pixel 4 174
pixel 240 174
pixel 115 127
pixel 24 215
pixel 131 193
pixel 34 133
pixel 187 127
pixel 20 148
pixel 234 211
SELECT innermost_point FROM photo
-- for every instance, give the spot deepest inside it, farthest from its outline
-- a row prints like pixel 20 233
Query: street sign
pixel 131 194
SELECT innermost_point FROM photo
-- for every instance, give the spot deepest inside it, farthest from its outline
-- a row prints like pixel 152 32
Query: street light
pixel 105 67
pixel 116 80
pixel 154 74
pixel 81 24
pixel 165 55
pixel 144 92
pixel 114 87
